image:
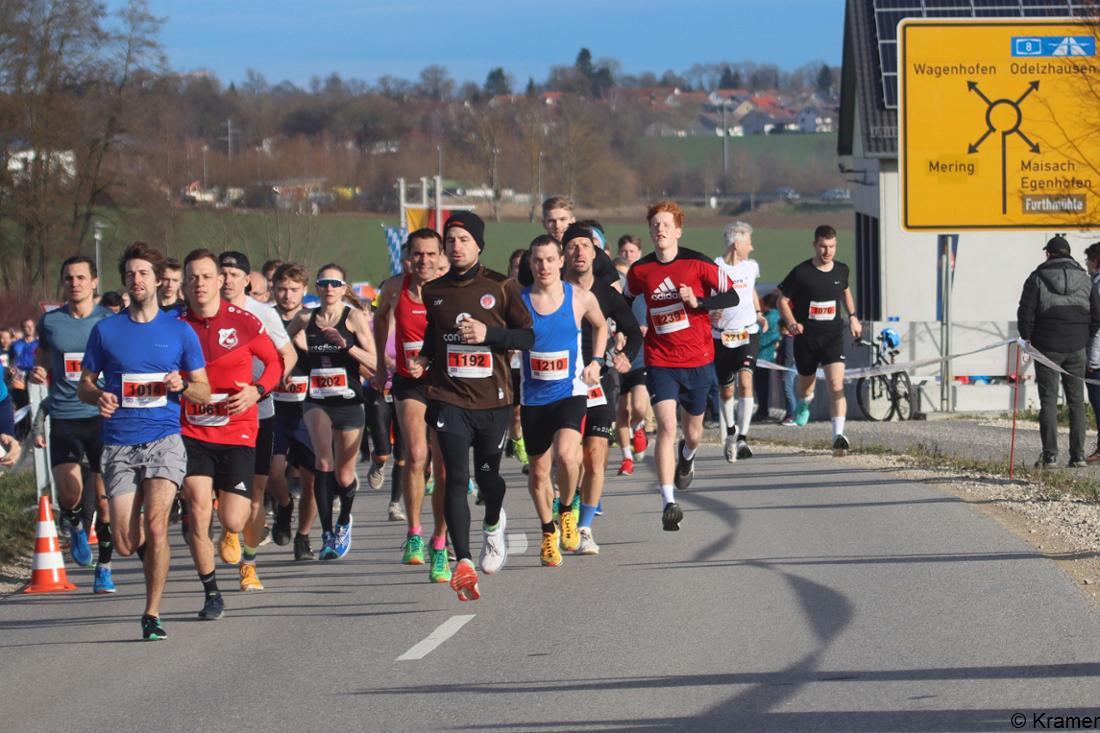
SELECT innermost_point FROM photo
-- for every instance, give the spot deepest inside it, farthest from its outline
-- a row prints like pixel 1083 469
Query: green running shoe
pixel 151 629
pixel 521 450
pixel 556 519
pixel 414 550
pixel 440 571
pixel 802 413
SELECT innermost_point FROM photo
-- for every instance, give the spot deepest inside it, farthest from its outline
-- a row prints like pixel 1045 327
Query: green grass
pixel 358 243
pixel 697 152
pixel 16 523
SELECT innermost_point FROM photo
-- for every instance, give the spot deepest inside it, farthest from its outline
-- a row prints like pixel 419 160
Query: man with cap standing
pixel 1059 310
pixel 475 316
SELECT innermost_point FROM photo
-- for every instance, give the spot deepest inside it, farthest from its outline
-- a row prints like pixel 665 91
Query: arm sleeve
pixel 264 349
pixel 519 333
pixel 627 324
pixel 714 277
pixel 1025 313
pixel 427 349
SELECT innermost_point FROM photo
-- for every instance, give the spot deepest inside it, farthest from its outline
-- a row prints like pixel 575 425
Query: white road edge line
pixel 445 631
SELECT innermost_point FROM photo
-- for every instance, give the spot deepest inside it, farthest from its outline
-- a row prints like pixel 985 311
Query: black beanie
pixel 469 221
pixel 576 229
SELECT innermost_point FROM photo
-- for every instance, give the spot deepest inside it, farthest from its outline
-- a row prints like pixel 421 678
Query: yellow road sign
pixel 999 124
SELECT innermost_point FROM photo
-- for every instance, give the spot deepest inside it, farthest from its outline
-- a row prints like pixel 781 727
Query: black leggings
pixel 456 461
pixel 381 420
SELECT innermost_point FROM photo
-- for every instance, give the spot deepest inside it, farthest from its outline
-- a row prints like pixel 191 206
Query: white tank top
pixel 741 317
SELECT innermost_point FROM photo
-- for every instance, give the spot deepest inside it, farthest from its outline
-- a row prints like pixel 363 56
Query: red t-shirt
pixel 229 342
pixel 678 336
pixel 410 321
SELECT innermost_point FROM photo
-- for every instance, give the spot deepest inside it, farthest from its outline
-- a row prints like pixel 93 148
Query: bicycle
pixel 882 396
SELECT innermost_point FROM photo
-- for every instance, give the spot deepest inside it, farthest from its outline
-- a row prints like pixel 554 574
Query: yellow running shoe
pixel 229 547
pixel 550 555
pixel 249 580
pixel 569 537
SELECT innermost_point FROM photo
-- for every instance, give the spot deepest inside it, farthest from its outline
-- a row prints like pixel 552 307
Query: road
pixel 803 593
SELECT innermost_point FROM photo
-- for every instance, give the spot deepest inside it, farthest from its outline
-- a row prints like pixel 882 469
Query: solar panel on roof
pixel 888 13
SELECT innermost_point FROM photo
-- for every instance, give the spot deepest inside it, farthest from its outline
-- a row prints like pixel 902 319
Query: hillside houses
pixel 746 113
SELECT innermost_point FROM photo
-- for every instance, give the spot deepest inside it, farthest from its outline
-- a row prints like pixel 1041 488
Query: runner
pixel 630 248
pixel 679 353
pixel 401 301
pixel 515 445
pixel 21 362
pixel 337 338
pixel 581 244
pixel 168 293
pixel 10 449
pixel 147 359
pixel 633 403
pixel 736 334
pixel 236 272
pixel 76 432
pixel 290 445
pixel 810 307
pixel 475 316
pixel 220 437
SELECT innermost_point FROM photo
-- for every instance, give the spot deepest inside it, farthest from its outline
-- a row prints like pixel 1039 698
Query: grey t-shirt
pixel 66 337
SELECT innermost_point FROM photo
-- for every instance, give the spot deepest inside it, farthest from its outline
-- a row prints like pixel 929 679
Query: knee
pixel 156 530
pixel 345 476
pixel 417 457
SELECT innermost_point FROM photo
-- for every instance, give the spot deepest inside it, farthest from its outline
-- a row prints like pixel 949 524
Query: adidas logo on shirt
pixel 665 291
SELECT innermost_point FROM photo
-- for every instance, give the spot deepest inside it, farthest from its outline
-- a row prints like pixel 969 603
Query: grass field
pixel 698 151
pixel 358 243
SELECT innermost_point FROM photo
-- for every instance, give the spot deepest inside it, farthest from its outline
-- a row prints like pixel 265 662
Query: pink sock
pixel 439 543
pixel 414 530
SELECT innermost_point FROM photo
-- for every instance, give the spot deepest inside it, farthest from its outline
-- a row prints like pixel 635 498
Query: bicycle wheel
pixel 903 387
pixel 873 395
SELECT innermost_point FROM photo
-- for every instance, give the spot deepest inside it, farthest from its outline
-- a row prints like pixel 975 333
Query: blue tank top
pixel 552 368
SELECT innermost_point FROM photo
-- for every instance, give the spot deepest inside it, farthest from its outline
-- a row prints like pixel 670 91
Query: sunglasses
pixel 330 282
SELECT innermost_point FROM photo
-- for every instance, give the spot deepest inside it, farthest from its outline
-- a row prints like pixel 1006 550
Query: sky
pixel 367 39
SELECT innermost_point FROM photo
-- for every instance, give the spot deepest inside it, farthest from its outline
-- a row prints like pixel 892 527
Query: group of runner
pixel 219 397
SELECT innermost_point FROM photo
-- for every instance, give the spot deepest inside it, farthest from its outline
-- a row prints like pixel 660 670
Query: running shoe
pixel 840 443
pixel 730 446
pixel 464 582
pixel 440 571
pixel 413 550
pixel 685 469
pixel 79 547
pixel 556 511
pixel 626 468
pixel 743 449
pixel 396 513
pixel 280 534
pixel 375 477
pixel 249 580
pixel 302 550
pixel 429 486
pixel 599 508
pixel 1078 463
pixel 213 608
pixel 328 546
pixel 103 582
pixel 639 442
pixel 343 538
pixel 550 555
pixel 672 516
pixel 521 451
pixel 494 549
pixel 802 413
pixel 151 629
pixel 229 547
pixel 1046 460
pixel 587 545
pixel 471 487
pixel 265 537
pixel 569 536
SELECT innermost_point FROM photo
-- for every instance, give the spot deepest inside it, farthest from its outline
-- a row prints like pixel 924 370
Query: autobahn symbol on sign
pixel 1004 116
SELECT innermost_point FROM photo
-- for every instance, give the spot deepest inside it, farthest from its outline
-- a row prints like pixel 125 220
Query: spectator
pixel 1059 311
pixel 786 357
pixel 112 301
pixel 1092 371
pixel 769 344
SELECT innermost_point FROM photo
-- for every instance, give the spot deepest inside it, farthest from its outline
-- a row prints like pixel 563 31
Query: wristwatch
pixel 261 389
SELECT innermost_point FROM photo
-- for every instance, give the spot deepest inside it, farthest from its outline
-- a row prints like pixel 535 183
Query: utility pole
pixel 98 235
pixel 493 191
pixel 205 182
pixel 725 141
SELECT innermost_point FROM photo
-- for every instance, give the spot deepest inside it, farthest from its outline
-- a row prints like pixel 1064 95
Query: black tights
pixel 456 507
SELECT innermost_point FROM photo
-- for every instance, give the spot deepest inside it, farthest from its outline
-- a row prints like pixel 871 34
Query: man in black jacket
pixel 1059 311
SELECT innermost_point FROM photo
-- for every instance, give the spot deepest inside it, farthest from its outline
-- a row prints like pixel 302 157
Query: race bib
pixel 596 396
pixel 733 339
pixel 328 383
pixel 387 396
pixel 73 362
pixel 515 359
pixel 211 415
pixel 411 350
pixel 669 318
pixel 549 366
pixel 295 390
pixel 822 310
pixel 469 362
pixel 144 390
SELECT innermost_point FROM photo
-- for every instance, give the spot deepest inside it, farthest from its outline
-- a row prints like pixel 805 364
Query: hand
pixel 107 404
pixel 333 337
pixel 472 331
pixel 40 441
pixel 591 374
pixel 38 375
pixel 796 329
pixel 417 366
pixel 763 322
pixel 11 445
pixel 620 341
pixel 378 381
pixel 390 363
pixel 246 396
pixel 715 317
pixel 855 326
pixel 174 382
pixel 688 296
pixel 621 363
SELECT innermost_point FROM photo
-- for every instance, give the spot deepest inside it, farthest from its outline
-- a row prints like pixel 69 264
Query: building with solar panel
pixel 897 273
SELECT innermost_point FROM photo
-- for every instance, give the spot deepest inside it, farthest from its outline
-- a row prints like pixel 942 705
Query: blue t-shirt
pixel 134 359
pixel 552 368
pixel 65 338
pixel 22 354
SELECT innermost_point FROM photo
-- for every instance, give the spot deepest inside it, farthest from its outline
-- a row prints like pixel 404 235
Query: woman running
pixel 337 338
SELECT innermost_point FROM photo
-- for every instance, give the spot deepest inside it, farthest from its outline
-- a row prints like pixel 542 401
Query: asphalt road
pixel 803 593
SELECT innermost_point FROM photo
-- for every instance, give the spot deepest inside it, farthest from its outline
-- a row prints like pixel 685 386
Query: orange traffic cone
pixel 93 539
pixel 48 573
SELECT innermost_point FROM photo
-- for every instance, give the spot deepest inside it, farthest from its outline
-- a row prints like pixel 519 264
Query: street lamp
pixel 98 228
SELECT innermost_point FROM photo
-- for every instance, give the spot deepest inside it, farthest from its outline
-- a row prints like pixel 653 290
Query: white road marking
pixel 445 631
pixel 517 543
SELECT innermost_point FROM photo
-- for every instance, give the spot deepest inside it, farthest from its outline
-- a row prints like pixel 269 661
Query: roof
pixel 861 88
